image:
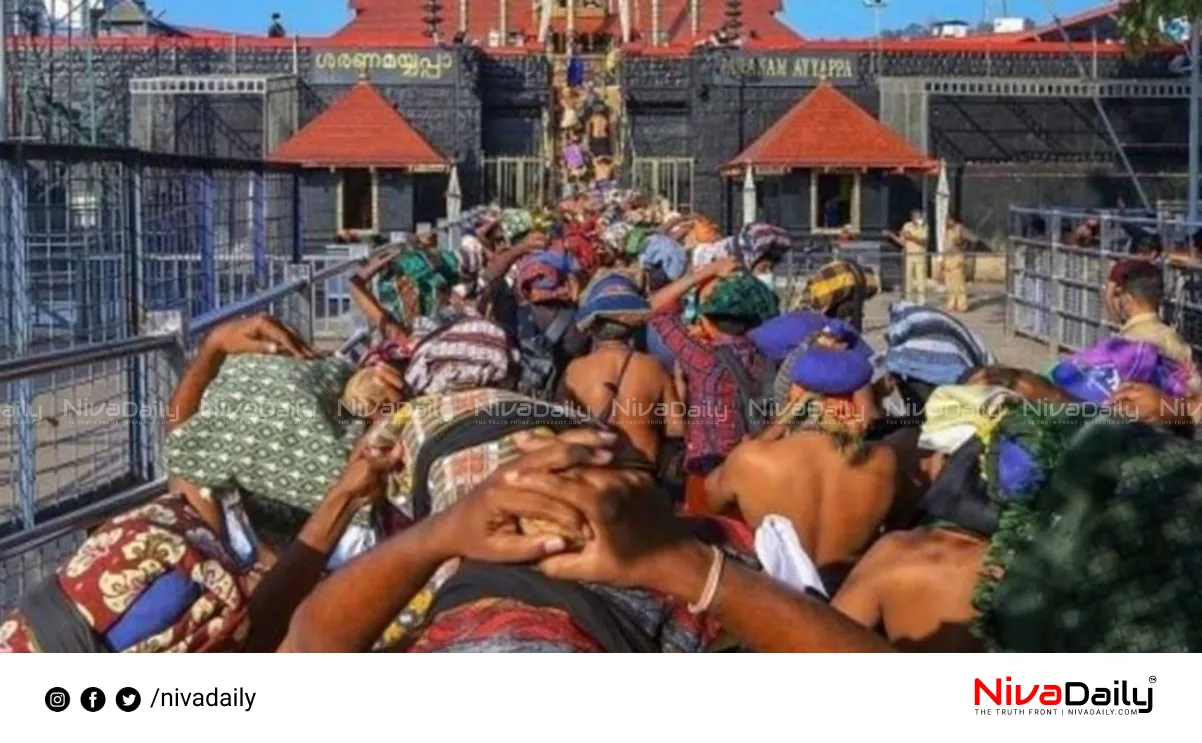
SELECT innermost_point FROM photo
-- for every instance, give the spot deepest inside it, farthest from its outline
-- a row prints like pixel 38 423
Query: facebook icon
pixel 92 699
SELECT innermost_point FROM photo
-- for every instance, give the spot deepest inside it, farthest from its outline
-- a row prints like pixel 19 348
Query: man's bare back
pixel 917 586
pixel 644 406
pixel 836 501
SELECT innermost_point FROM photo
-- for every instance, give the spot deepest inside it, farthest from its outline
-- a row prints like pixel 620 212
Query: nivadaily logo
pixel 1070 697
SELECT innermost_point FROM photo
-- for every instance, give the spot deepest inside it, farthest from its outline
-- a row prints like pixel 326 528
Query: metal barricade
pixel 1054 284
pixel 670 178
pixel 515 181
pixel 52 524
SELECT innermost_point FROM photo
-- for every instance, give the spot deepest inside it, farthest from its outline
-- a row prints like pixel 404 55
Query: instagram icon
pixel 57 699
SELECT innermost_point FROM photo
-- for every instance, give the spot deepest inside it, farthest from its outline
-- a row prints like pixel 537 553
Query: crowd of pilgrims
pixel 598 427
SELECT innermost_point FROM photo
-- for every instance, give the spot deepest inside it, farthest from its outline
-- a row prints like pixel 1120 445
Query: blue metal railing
pixel 45 537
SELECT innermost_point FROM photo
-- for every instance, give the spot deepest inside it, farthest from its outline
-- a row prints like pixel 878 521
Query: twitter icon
pixel 128 699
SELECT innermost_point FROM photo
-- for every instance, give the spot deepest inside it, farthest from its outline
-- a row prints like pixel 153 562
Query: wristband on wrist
pixel 711 583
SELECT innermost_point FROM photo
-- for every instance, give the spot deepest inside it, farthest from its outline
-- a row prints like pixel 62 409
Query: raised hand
pixel 259 333
pixel 365 478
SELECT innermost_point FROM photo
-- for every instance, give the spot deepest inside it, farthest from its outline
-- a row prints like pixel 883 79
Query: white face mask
pixel 768 279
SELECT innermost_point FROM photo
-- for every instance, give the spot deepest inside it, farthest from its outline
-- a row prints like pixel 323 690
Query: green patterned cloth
pixel 515 223
pixel 741 295
pixel 1107 555
pixel 427 276
pixel 634 240
pixel 269 427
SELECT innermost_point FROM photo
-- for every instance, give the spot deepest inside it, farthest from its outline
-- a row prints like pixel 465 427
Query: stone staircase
pixel 571 117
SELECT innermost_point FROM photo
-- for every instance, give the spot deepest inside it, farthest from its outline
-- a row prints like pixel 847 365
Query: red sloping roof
pixel 826 129
pixel 360 129
pixel 380 18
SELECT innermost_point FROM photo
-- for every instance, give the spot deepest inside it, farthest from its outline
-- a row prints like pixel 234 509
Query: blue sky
pixel 833 18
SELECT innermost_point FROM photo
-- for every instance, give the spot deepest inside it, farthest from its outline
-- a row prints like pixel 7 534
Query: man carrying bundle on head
pixel 917 585
pixel 839 290
pixel 814 466
pixel 619 386
pixel 546 285
pixel 718 361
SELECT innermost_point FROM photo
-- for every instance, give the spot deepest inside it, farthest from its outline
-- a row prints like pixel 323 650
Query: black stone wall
pixel 514 91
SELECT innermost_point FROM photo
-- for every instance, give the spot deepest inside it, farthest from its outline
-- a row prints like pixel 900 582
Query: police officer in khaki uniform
pixel 913 242
pixel 953 267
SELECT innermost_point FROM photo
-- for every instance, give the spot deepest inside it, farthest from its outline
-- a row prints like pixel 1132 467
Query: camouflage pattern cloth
pixel 1106 556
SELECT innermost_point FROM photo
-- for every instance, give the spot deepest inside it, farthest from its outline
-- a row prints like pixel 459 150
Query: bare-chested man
pixel 629 390
pixel 818 472
pixel 917 586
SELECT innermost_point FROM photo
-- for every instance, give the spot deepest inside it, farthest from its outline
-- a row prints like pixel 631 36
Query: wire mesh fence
pixel 1058 260
pixel 93 244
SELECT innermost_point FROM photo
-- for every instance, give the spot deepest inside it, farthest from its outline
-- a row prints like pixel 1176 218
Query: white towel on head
pixel 780 552
pixel 947 440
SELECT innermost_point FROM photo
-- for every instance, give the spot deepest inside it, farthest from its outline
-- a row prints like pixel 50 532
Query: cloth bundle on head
pixel 1095 374
pixel 1025 446
pixel 704 232
pixel 635 240
pixel 471 259
pixel 543 276
pixel 153 579
pixel 762 241
pixel 835 282
pixel 1106 556
pixel 477 218
pixel 515 223
pixel 664 253
pixel 613 296
pixel 288 448
pixel 954 414
pixel 468 354
pixel 931 346
pixel 387 351
pixel 614 236
pixel 415 275
pixel 579 242
pixel 707 253
pixel 673 221
pixel 364 391
pixel 741 296
pixel 778 337
pixel 832 361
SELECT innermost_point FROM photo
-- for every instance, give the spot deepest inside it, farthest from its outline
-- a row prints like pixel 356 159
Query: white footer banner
pixel 586 698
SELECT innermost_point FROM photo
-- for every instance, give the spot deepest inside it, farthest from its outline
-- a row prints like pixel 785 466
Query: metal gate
pixel 515 181
pixel 668 177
